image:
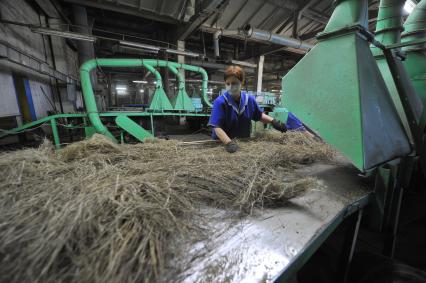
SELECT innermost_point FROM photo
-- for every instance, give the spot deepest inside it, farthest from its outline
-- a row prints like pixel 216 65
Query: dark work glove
pixel 231 147
pixel 279 126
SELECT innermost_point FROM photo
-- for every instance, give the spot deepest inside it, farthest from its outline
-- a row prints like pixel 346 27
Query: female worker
pixel 234 110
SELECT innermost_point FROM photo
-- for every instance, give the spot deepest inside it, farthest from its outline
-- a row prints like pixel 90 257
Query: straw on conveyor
pixel 96 211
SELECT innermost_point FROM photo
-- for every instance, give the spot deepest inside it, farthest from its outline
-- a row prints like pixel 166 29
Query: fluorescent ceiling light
pixel 409 6
pixel 65 34
pixel 121 92
pixel 156 49
pixel 185 53
pixel 139 45
pixel 140 82
pixel 141 91
pixel 121 88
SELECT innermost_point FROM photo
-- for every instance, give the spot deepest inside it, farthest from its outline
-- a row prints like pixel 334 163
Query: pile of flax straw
pixel 96 211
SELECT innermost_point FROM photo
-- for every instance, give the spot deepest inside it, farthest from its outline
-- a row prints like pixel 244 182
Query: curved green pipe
pixel 89 97
pixel 156 73
pixel 205 78
pixel 348 13
pixel 181 81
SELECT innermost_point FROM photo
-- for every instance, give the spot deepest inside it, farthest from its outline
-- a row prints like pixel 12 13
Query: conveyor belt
pixel 274 243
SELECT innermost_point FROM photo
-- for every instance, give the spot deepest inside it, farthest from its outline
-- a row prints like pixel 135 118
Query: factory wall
pixel 42 98
pixel 9 102
pixel 54 51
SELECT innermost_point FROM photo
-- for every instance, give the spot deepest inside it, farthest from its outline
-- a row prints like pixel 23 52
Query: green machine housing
pixel 338 91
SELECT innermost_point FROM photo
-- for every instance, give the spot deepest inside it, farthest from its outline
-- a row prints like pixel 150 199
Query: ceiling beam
pixel 125 10
pixel 268 18
pixel 236 14
pixel 311 34
pixel 205 12
pixel 260 7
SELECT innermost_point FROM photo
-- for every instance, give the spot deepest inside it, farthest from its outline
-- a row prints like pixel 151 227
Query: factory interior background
pixel 127 156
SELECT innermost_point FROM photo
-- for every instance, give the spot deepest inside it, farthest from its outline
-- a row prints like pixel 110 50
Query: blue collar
pixel 243 102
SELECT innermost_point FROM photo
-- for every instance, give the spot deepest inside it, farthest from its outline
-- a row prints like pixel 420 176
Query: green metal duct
pixel 202 72
pixel 173 66
pixel 348 14
pixel 182 101
pixel 415 28
pixel 159 101
pixel 388 31
pixel 89 97
pixel 389 23
pixel 337 90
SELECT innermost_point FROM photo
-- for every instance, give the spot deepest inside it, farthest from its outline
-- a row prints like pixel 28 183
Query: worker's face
pixel 233 86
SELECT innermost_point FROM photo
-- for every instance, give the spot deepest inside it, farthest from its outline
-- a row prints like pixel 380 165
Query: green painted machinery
pixel 160 101
pixel 415 63
pixel 338 91
pixel 388 31
pixel 159 106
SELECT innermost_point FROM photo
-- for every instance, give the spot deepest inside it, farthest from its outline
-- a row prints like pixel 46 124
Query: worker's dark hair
pixel 234 71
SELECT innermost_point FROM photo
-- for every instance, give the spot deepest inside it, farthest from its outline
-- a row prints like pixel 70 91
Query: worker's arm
pixel 277 125
pixel 230 145
pixel 223 137
pixel 266 119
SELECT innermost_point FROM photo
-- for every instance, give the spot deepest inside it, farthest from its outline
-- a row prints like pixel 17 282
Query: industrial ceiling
pixel 302 19
pixel 163 23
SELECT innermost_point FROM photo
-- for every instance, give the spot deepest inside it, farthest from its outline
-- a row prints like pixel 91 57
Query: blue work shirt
pixel 294 124
pixel 234 119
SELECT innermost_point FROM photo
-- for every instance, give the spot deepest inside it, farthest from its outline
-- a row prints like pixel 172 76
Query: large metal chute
pixel 337 90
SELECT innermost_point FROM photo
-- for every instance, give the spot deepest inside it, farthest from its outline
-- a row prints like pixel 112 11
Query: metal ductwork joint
pixel 216 37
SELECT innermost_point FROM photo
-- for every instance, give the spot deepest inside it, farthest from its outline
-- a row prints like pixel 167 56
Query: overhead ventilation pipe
pixel 251 33
pixel 266 36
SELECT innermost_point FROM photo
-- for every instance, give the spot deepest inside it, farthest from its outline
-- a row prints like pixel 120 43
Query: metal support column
pixel 260 73
pixel 405 169
pixel 181 58
pixel 152 125
pixel 349 246
pixel 55 133
pixel 85 49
